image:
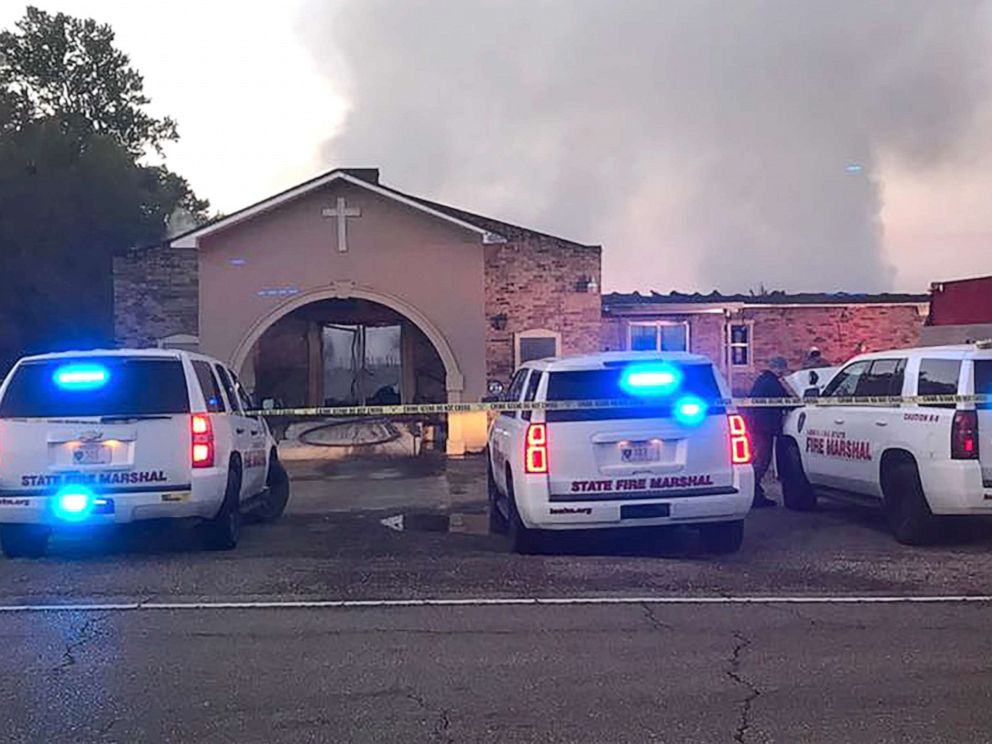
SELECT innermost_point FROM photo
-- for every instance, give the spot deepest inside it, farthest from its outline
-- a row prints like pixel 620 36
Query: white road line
pixel 346 604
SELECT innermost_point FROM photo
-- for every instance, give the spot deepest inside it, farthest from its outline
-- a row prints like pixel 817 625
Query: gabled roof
pixel 490 230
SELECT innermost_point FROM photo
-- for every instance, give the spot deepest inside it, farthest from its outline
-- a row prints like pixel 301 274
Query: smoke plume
pixel 703 143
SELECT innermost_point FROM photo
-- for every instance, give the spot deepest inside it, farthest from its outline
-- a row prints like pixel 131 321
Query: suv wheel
pixel 222 532
pixel 797 493
pixel 523 540
pixel 906 507
pixel 24 540
pixel 277 482
pixel 722 538
pixel 497 522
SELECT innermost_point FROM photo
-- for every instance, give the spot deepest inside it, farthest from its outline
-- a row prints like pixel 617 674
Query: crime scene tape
pixel 414 409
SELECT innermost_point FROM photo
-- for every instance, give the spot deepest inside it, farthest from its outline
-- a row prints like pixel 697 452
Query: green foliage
pixel 66 67
pixel 73 188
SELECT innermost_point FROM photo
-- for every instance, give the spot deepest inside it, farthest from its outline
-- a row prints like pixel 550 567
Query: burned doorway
pixel 339 352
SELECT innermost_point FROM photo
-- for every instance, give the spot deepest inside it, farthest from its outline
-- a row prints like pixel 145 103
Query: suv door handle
pixel 239 431
pixel 881 423
pixel 838 421
pixel 254 432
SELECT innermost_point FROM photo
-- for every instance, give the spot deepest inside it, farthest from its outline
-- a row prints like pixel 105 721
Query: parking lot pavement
pixel 331 544
pixel 624 672
pixel 853 674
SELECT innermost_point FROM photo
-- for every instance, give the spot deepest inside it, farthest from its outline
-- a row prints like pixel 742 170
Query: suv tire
pixel 24 540
pixel 223 531
pixel 797 493
pixel 906 507
pixel 722 538
pixel 523 540
pixel 497 522
pixel 277 483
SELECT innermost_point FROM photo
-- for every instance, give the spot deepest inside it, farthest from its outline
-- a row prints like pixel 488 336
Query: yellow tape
pixel 414 409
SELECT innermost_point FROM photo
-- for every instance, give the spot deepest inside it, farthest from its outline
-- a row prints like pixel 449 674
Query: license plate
pixel 91 454
pixel 641 452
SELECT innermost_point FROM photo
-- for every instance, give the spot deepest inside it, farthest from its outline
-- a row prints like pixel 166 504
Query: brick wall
pixel 787 331
pixel 155 295
pixel 533 283
pixel 837 330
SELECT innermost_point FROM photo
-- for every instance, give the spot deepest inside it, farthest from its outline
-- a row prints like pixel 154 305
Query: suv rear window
pixel 130 387
pixel 604 384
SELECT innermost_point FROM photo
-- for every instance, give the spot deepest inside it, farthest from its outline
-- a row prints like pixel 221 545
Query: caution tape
pixel 421 409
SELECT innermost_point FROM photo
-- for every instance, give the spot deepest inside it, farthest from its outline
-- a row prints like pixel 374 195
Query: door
pixel 240 430
pixel 871 428
pixel 678 443
pixel 505 427
pixel 256 458
pixel 983 386
pixel 827 428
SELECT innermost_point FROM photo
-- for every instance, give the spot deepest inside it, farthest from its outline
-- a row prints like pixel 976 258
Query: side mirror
pixel 812 392
pixel 814 377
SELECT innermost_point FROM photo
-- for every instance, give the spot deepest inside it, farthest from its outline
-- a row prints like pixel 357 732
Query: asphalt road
pixel 628 671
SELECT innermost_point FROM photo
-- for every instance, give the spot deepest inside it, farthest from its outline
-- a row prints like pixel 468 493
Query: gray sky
pixel 802 145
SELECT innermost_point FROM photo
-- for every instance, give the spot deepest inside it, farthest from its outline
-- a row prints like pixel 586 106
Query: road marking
pixel 347 604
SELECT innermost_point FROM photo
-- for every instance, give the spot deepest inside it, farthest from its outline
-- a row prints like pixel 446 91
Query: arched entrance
pixel 356 309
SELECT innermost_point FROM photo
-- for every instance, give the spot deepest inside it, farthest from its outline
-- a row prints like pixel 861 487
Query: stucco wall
pixel 252 272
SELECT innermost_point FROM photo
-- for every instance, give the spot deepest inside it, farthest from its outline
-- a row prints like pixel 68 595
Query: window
pixel 536 344
pixel 604 384
pixel 983 381
pixel 939 377
pixel 247 404
pixel 512 393
pixel 133 387
pixel 846 382
pixel 740 344
pixel 210 387
pixel 883 378
pixel 658 335
pixel 225 381
pixel 531 394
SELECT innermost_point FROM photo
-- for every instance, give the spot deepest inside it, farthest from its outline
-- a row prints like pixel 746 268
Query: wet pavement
pixel 627 672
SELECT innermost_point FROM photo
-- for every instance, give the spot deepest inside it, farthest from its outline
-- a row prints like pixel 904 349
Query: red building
pixel 959 311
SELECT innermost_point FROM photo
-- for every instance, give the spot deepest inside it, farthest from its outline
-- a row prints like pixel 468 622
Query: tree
pixel 73 186
pixel 65 67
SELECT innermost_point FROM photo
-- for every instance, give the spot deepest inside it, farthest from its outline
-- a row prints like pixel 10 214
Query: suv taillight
pixel 202 452
pixel 536 449
pixel 740 442
pixel 964 435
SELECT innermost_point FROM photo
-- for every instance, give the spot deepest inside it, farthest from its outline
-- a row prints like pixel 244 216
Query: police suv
pixel 918 460
pixel 109 437
pixel 667 451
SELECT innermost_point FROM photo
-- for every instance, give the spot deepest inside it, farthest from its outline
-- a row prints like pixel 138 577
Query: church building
pixel 344 291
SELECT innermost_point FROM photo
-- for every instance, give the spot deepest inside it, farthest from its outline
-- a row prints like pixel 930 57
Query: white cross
pixel 342 213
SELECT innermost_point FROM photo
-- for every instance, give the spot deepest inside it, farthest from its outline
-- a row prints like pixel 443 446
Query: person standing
pixel 766 423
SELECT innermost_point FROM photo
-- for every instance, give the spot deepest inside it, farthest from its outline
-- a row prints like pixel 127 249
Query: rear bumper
pixel 539 510
pixel 199 499
pixel 955 487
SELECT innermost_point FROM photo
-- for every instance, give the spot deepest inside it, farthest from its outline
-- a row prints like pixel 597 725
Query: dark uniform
pixel 765 425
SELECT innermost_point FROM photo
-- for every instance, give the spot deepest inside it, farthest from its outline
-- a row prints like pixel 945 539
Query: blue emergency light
pixel 689 410
pixel 74 503
pixel 81 376
pixel 651 380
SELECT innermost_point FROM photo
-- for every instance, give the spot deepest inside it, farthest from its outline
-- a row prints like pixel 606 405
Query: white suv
pixel 108 437
pixel 917 460
pixel 676 455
